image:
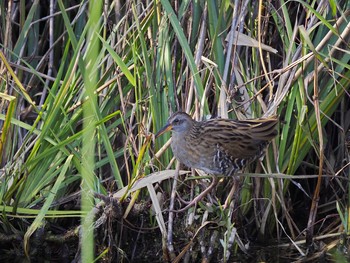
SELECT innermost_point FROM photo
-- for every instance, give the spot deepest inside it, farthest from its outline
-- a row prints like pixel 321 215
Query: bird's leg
pixel 182 200
pixel 234 192
pixel 199 197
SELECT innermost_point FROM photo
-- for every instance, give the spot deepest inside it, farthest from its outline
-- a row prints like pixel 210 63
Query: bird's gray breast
pixel 185 152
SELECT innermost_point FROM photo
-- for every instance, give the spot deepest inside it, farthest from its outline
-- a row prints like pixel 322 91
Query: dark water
pixel 12 253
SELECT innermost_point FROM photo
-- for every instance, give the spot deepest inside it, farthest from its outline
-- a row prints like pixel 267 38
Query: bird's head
pixel 179 122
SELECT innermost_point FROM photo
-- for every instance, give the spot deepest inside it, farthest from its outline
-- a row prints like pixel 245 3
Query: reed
pixel 82 90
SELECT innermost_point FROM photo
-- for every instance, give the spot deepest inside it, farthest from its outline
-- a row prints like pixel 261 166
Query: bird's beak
pixel 166 128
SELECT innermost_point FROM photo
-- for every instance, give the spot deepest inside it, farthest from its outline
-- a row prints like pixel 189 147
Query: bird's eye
pixel 176 121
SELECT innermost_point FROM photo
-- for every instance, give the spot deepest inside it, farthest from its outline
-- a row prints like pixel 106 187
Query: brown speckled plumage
pixel 219 146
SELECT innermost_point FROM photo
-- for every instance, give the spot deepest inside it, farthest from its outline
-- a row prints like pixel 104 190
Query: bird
pixel 218 146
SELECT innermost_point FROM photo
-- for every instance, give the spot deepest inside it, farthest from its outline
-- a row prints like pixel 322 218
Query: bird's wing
pixel 239 139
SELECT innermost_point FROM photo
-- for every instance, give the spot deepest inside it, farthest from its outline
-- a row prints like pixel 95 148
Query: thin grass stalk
pixel 5 130
pixel 316 195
